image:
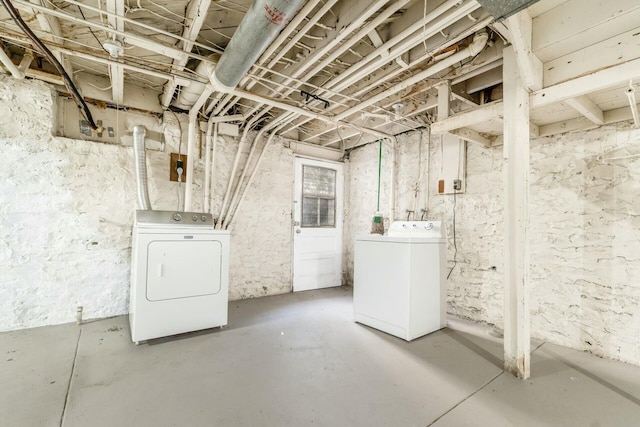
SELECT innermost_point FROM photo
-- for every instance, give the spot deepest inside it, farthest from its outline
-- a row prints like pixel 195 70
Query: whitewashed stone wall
pixel 66 212
pixel 585 235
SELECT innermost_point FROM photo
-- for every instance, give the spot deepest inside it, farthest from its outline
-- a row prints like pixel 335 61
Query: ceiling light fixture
pixel 114 47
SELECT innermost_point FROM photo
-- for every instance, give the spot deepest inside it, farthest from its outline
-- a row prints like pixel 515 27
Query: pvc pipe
pixel 140 159
pixel 8 63
pixel 255 169
pixel 234 169
pixel 392 191
pixel 632 104
pixel 193 132
pixel 479 42
pixel 244 170
pixel 207 166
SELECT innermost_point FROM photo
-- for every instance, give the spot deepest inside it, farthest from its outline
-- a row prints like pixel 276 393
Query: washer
pixel 399 279
pixel 179 274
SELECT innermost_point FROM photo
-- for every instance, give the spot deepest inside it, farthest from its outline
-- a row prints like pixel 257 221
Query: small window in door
pixel 318 197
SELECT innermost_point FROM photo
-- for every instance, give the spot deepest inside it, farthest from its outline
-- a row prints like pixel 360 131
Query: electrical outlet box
pixel 173 174
pixel 457 184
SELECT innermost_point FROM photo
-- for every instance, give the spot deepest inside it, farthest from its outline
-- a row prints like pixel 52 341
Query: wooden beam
pixel 377 42
pixel 582 124
pixel 471 136
pixel 469 118
pixel 516 192
pixel 520 26
pixel 592 82
pixel 444 94
pixel 116 72
pixel 51 25
pixel 585 106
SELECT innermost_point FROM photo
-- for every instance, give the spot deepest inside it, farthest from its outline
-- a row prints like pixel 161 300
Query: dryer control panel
pixel 173 218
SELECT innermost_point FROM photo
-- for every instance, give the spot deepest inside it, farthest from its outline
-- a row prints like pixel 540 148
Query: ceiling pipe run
pixel 260 26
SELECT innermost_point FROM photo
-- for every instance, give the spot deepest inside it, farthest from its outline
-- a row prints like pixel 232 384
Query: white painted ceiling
pixel 569 38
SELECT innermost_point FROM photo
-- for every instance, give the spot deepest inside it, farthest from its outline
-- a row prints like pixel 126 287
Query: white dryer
pixel 179 274
pixel 399 283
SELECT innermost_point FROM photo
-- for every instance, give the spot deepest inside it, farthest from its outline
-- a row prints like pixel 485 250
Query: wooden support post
pixel 516 190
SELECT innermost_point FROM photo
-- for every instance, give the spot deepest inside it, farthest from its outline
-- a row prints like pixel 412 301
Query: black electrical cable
pixel 91 30
pixel 455 245
pixel 15 15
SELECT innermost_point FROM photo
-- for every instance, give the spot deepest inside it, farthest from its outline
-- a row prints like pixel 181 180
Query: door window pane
pixel 318 196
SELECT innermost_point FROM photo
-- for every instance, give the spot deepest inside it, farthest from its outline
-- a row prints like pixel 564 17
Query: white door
pixel 317 225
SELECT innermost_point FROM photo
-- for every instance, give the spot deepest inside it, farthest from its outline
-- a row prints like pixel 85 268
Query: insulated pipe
pixel 260 26
pixel 188 95
pixel 140 158
pixel 9 65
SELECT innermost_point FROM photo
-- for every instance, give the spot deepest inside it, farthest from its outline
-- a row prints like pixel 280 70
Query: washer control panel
pixel 416 229
pixel 161 218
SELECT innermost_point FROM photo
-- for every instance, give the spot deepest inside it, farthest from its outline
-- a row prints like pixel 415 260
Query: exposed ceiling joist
pixel 194 16
pixel 585 106
pixel 116 72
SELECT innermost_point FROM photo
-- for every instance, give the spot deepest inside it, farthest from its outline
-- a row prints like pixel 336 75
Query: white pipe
pixel 329 47
pixel 9 65
pixel 255 169
pixel 353 74
pixel 392 190
pixel 479 42
pixel 213 170
pixel 194 131
pixel 632 104
pixel 188 96
pixel 247 164
pixel 140 159
pixel 234 169
pixel 301 111
pixel 207 166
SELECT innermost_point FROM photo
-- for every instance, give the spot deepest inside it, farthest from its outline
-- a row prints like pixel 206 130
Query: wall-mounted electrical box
pixel 173 173
pixel 454 162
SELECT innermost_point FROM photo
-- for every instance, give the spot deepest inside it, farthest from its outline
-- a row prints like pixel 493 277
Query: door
pixel 317 225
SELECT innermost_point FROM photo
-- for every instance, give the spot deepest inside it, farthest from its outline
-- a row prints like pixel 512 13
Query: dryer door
pixel 183 269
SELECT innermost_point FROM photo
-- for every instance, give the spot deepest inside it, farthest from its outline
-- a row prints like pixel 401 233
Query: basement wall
pixel 66 213
pixel 585 233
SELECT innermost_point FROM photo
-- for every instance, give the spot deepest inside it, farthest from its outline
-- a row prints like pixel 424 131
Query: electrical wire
pixel 15 15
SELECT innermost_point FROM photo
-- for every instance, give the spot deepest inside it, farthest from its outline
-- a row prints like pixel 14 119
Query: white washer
pixel 179 274
pixel 399 279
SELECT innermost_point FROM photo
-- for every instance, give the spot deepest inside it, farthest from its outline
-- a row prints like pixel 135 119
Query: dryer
pixel 179 274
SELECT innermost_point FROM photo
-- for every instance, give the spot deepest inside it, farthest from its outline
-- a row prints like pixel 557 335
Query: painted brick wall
pixel 585 234
pixel 66 212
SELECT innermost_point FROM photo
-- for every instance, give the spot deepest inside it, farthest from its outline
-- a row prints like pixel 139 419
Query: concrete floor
pixel 299 360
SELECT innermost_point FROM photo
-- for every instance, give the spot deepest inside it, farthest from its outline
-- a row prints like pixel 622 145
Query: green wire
pixel 379 173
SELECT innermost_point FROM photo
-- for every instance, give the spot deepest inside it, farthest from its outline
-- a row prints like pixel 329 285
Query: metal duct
pixel 140 157
pixel 501 9
pixel 260 26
